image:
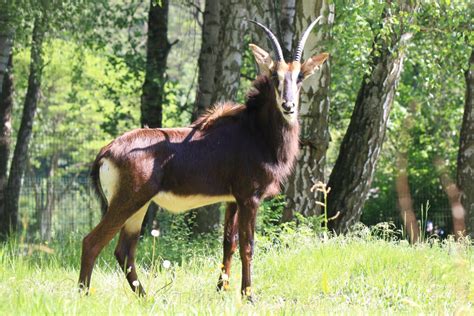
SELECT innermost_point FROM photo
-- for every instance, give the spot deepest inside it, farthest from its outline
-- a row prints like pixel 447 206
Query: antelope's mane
pixel 217 113
pixel 259 94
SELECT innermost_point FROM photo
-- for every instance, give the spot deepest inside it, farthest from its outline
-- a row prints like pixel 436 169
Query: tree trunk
pixel 6 43
pixel 261 11
pixel 6 100
pixel 207 58
pixel 6 105
pixel 314 113
pixel 158 47
pixel 465 168
pixel 153 90
pixel 405 201
pixel 48 209
pixel 230 50
pixel 287 27
pixel 206 219
pixel 353 172
pixel 457 209
pixel 20 155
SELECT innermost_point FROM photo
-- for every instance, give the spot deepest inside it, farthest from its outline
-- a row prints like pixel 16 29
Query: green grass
pixel 296 273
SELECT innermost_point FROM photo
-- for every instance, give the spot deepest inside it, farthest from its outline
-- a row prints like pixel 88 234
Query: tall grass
pixel 296 272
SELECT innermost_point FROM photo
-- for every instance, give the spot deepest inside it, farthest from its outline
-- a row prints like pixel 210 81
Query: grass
pixel 296 273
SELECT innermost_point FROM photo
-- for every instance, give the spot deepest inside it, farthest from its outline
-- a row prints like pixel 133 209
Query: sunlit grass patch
pixel 298 272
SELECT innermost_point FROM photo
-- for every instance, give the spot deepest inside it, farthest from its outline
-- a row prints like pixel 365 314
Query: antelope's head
pixel 287 78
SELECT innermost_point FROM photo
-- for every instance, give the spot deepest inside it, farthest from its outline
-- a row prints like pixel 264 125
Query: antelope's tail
pixel 96 182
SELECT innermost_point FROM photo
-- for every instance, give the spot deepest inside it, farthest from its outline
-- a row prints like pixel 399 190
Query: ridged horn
pixel 273 39
pixel 300 47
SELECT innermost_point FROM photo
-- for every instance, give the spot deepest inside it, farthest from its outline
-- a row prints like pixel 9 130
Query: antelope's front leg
pixel 247 216
pixel 230 244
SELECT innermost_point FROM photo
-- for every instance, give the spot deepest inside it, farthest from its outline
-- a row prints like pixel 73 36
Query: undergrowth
pixel 298 268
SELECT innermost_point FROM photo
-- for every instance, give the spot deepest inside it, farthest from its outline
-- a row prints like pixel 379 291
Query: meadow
pixel 296 271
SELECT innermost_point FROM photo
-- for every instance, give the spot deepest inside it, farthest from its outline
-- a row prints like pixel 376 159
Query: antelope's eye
pixel 275 79
pixel 300 77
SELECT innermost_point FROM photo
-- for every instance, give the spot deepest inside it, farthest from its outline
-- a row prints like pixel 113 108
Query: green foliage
pixel 248 70
pixel 271 227
pixel 354 29
pixel 75 99
pixel 428 106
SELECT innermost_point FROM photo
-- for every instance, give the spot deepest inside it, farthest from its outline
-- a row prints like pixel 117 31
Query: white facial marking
pixel 279 92
pixel 179 204
pixel 109 176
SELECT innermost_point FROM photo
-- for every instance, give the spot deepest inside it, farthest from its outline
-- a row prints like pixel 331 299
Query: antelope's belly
pixel 181 203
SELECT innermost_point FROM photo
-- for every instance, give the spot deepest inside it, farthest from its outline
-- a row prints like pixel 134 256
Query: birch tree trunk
pixel 207 57
pixel 6 99
pixel 353 172
pixel 314 112
pixel 261 11
pixel 207 218
pixel 20 155
pixel 465 169
pixel 158 47
pixel 230 50
pixel 287 27
pixel 6 42
pixel 6 105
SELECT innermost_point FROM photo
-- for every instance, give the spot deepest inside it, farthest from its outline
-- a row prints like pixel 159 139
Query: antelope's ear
pixel 311 64
pixel 264 61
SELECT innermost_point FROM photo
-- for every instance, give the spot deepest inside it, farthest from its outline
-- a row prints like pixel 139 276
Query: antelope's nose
pixel 288 107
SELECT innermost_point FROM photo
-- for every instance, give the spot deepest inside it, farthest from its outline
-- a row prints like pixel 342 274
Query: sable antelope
pixel 235 153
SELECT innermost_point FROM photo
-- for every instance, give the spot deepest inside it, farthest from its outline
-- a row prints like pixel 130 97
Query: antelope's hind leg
pixel 127 246
pixel 96 240
pixel 230 244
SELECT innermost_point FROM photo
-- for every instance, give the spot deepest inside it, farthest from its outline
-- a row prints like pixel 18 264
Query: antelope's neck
pixel 282 137
pixel 289 145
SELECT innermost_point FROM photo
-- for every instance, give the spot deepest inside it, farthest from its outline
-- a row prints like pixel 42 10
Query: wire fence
pixel 56 207
pixel 431 207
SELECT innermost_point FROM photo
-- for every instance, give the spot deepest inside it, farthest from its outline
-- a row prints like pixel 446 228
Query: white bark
pixel 6 45
pixel 230 49
pixel 287 26
pixel 314 111
pixel 208 57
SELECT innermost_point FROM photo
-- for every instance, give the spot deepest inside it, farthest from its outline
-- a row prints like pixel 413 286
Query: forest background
pixel 387 123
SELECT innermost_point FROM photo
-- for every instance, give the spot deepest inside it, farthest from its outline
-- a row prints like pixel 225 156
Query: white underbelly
pixel 179 203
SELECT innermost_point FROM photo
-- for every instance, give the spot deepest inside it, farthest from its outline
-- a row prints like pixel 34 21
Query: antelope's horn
pixel 300 47
pixel 273 39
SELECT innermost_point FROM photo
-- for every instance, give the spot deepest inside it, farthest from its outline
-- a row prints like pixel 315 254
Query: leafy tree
pixel 353 172
pixel 431 92
pixel 20 154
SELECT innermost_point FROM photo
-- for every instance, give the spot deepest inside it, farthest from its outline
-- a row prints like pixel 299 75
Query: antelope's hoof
pixel 83 289
pixel 247 295
pixel 222 286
